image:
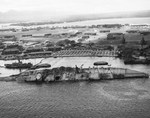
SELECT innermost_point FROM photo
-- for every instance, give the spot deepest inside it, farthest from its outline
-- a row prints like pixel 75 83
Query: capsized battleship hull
pixel 70 74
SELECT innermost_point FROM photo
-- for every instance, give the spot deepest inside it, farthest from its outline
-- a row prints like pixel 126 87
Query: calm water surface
pixel 106 99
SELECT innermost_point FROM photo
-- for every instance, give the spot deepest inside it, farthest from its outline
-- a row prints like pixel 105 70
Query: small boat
pixel 55 56
pixel 41 66
pixel 98 63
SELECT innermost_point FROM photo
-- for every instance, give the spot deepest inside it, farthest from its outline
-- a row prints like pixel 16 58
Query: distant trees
pixel 1 45
pixel 142 42
pixel 90 44
pixel 110 47
pixel 123 40
pixel 66 42
pixel 48 44
pixel 126 52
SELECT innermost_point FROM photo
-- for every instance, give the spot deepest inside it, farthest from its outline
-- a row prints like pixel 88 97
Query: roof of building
pixel 11 49
pixel 41 52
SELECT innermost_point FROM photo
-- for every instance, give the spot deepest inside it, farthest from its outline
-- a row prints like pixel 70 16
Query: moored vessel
pixel 19 65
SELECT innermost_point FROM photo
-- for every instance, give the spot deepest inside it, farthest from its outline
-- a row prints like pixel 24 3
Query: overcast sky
pixel 74 6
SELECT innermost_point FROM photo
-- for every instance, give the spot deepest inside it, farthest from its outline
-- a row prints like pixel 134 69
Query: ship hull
pixel 21 66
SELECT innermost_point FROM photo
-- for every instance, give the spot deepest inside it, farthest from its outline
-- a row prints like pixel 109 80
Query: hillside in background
pixel 110 15
pixel 35 16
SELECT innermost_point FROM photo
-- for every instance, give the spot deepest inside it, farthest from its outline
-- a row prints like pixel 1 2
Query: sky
pixel 75 6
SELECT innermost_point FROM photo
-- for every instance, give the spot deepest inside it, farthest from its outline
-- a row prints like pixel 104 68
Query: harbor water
pixel 102 99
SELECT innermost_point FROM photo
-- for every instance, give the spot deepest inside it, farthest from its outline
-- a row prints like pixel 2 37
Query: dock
pixel 85 53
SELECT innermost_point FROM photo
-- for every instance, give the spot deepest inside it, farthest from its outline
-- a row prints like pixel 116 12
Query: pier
pixel 85 52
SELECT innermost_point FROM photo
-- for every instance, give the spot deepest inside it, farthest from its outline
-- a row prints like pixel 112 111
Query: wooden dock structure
pixel 85 53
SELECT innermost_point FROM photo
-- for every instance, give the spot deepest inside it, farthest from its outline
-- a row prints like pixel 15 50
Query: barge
pixel 45 65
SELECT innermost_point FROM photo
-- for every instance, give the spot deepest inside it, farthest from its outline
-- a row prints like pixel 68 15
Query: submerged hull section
pixel 62 74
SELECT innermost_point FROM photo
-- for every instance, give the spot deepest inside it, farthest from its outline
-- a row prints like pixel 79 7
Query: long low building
pixel 33 49
pixel 112 36
pixel 8 37
pixel 42 54
pixel 10 51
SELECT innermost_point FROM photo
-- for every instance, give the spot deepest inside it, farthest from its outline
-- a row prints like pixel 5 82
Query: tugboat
pixel 19 65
